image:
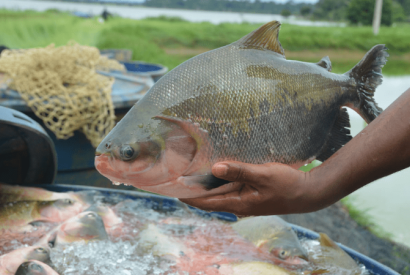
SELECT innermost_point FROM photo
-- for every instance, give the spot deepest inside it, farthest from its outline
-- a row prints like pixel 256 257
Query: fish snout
pixel 104 148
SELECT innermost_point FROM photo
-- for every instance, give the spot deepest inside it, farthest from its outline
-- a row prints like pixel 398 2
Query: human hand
pixel 266 189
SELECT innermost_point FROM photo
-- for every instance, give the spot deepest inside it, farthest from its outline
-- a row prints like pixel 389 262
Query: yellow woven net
pixel 62 87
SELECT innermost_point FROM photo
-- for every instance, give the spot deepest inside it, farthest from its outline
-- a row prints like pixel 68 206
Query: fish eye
pixel 127 152
pixel 68 201
pixel 41 250
pixel 92 215
pixel 283 254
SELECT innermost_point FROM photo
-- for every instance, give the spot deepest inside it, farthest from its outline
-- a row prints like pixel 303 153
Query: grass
pixel 364 219
pixel 170 41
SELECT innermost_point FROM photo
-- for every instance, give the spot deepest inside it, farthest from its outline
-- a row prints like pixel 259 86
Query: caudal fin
pixel 368 75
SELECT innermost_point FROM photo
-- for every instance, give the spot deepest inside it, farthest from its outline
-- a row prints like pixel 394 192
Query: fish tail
pixel 368 75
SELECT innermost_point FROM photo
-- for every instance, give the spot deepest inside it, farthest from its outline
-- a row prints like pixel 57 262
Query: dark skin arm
pixel 382 148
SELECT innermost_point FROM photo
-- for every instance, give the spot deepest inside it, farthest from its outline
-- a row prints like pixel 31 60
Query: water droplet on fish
pixel 306 164
pixel 141 125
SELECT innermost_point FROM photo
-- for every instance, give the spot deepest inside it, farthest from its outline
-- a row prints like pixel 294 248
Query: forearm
pixel 382 148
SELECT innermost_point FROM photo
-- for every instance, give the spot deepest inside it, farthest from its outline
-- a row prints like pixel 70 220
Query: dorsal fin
pixel 264 38
pixel 326 241
pixel 325 63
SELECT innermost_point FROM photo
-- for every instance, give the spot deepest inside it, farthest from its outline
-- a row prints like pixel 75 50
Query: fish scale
pixel 242 102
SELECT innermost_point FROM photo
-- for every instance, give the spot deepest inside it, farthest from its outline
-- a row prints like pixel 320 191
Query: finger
pixel 234 171
pixel 231 202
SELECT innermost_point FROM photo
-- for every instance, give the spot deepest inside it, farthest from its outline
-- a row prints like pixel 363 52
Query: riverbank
pixel 170 41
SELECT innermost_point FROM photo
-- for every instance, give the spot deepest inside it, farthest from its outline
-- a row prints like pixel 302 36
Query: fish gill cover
pixel 241 102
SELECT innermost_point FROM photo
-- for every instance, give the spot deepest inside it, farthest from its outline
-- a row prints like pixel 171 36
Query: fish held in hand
pixel 241 102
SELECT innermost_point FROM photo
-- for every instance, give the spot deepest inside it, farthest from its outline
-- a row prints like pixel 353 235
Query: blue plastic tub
pixel 170 204
pixel 156 71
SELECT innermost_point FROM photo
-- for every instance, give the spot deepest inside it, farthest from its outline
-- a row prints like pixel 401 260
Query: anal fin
pixel 338 136
pixel 210 182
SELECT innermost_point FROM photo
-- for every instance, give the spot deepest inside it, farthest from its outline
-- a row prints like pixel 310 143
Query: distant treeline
pixel 247 6
pixel 360 11
pixel 355 11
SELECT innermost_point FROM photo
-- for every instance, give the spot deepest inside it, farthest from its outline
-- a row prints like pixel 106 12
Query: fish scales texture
pixel 254 112
pixel 242 102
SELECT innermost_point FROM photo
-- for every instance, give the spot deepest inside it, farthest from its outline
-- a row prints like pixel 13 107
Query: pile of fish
pixel 45 232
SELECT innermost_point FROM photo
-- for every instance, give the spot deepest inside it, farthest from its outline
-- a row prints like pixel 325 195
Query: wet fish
pixel 13 193
pixel 334 259
pixel 274 235
pixel 159 244
pixel 108 216
pixel 10 262
pixel 14 215
pixel 242 102
pixel 86 226
pixel 246 268
pixel 34 267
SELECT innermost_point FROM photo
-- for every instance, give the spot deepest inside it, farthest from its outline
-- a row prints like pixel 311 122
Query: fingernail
pixel 221 170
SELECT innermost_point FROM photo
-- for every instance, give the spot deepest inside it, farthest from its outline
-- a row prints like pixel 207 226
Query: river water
pixel 385 200
pixel 138 12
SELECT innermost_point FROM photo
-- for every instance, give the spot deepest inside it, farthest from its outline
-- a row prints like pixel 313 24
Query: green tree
pixel 330 10
pixel 285 13
pixel 362 11
pixel 305 11
pixel 406 6
pixel 398 12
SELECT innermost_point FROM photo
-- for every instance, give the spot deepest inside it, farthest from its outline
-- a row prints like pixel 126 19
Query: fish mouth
pixel 179 187
pixel 104 165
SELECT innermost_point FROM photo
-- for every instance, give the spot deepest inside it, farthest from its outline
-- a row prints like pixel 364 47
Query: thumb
pixel 233 171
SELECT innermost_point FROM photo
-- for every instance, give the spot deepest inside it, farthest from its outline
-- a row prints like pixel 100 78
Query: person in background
pixel 380 149
pixel 105 14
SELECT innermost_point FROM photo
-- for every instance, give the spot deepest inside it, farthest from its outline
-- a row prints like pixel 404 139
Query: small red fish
pixel 86 226
pixel 10 262
pixel 34 267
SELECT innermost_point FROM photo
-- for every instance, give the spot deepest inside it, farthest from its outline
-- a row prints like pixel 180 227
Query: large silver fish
pixel 242 102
